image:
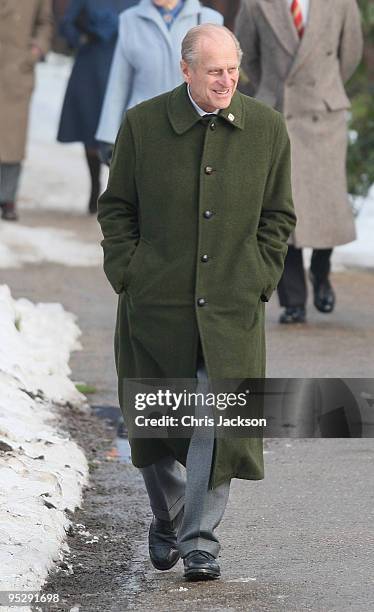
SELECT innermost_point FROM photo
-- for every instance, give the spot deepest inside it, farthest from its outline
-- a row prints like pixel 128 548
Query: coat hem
pixel 216 482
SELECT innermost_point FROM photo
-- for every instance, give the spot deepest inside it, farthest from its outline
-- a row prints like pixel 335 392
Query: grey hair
pixel 190 49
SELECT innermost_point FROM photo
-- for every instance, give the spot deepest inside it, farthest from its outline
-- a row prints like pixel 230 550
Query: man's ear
pixel 185 71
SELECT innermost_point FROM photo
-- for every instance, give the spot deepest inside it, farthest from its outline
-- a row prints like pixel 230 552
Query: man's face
pixel 213 78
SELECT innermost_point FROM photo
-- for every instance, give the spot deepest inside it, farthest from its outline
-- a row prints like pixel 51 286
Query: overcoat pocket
pixel 133 270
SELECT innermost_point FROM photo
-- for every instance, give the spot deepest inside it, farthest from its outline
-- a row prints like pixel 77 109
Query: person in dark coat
pixel 90 27
pixel 195 218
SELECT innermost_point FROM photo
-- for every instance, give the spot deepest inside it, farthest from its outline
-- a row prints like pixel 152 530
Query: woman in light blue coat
pixel 146 60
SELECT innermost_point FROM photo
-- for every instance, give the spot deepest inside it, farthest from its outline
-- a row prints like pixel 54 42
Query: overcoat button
pixel 212 126
pixel 315 118
pixel 201 302
pixel 208 214
pixel 204 258
pixel 208 170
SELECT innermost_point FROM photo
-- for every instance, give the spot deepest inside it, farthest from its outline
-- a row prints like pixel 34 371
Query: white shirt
pixel 304 6
pixel 197 107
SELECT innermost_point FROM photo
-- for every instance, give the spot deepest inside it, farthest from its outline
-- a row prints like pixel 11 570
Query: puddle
pixel 113 416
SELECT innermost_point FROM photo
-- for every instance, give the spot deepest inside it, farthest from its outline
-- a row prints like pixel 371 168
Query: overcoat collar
pixel 279 16
pixel 183 116
pixel 318 13
pixel 147 10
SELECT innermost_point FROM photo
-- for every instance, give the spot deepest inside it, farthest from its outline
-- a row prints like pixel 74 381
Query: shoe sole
pixel 299 322
pixel 325 310
pixel 163 568
pixel 202 574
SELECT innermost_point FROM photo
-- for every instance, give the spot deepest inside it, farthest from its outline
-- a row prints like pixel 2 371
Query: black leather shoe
pixel 8 211
pixel 162 540
pixel 200 565
pixel 296 314
pixel 324 296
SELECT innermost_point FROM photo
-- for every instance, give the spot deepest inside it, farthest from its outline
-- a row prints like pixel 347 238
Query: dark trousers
pixel 292 289
pixel 9 181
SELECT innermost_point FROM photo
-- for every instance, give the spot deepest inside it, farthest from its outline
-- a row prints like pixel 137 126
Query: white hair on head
pixel 190 46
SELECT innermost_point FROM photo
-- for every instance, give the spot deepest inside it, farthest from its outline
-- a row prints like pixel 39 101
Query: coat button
pixel 201 302
pixel 207 214
pixel 315 118
pixel 209 170
pixel 204 258
pixel 212 126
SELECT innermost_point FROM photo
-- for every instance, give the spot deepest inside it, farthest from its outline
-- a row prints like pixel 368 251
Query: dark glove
pixel 105 152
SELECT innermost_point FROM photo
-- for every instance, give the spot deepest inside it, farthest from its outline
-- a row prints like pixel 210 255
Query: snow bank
pixel 41 471
pixel 55 175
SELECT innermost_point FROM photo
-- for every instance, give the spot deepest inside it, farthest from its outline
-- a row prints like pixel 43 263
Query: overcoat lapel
pixel 279 17
pixel 310 40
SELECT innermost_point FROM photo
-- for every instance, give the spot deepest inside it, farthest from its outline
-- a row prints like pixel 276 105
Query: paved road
pixel 302 539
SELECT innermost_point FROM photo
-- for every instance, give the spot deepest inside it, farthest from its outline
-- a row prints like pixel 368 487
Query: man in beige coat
pixel 25 32
pixel 298 54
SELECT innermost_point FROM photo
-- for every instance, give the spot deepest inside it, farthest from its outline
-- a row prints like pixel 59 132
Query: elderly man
pixel 195 219
pixel 298 54
pixel 25 35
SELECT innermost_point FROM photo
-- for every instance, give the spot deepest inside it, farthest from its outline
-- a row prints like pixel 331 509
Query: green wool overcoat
pixel 195 221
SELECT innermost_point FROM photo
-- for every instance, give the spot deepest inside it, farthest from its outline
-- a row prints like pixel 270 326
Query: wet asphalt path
pixel 302 539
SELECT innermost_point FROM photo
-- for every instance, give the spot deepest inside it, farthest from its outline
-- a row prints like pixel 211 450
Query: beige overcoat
pixel 22 22
pixel 305 80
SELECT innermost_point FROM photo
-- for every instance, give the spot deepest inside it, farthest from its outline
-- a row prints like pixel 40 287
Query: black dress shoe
pixel 295 314
pixel 324 296
pixel 162 540
pixel 8 211
pixel 200 565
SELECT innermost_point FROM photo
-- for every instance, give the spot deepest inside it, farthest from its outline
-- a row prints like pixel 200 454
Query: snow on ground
pixel 62 167
pixel 361 252
pixel 20 244
pixel 55 175
pixel 42 472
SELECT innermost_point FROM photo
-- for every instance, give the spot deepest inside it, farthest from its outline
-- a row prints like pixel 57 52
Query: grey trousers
pixel 9 181
pixel 171 487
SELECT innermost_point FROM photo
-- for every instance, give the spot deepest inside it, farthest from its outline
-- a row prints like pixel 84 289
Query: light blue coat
pixel 146 60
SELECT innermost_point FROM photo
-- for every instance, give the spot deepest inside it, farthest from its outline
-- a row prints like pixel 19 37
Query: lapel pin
pixel 231 117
